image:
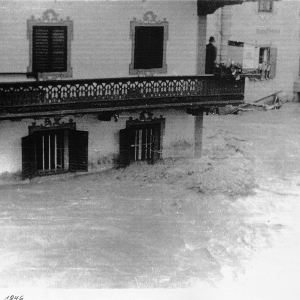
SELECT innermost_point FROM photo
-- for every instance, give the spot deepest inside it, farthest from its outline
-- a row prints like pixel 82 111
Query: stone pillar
pixel 198 131
pixel 226 16
pixel 201 55
pixel 201 51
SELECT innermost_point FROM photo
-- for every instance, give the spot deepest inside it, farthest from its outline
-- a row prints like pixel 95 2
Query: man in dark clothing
pixel 211 55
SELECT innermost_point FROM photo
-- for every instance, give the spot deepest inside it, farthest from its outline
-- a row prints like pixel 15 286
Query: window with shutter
pixel 52 151
pixel 149 47
pixel 49 49
pixel 149 42
pixel 267 62
pixel 50 45
pixel 141 142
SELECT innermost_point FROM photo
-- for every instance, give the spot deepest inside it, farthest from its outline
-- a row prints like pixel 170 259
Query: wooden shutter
pixel 41 49
pixel 78 150
pixel 28 156
pixel 59 49
pixel 273 61
pixel 124 158
pixel 156 143
pixel 49 52
pixel 149 47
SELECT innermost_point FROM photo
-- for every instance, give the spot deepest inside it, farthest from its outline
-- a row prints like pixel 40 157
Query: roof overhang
pixel 206 7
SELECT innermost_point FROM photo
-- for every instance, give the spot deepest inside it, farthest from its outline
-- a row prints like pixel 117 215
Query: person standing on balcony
pixel 211 55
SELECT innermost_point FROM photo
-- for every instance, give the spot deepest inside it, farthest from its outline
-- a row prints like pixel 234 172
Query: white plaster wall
pixel 103 138
pixel 11 134
pixel 279 29
pixel 102 45
pixel 214 29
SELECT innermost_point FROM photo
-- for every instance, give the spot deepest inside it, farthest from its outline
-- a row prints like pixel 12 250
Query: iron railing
pixel 116 92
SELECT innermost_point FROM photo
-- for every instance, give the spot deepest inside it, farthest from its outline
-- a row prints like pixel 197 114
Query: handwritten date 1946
pixel 14 297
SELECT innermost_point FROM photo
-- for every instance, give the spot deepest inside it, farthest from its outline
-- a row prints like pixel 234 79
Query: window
pixel 148 45
pixel 49 49
pixel 265 5
pixel 141 141
pixel 264 55
pixel 267 62
pixel 51 151
pixel 50 45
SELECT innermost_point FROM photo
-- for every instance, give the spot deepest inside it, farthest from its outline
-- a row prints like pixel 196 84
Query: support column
pixel 198 130
pixel 201 51
pixel 226 16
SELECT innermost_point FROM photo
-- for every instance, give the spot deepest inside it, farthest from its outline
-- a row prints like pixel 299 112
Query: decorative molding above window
pixel 50 45
pixel 149 45
pixel 49 125
pixel 144 117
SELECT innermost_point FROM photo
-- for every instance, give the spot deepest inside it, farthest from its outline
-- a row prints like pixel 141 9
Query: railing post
pixel 198 134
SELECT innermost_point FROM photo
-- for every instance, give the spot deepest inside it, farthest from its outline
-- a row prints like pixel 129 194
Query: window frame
pixel 266 48
pixel 158 126
pixel 270 71
pixel 73 149
pixel 50 18
pixel 262 4
pixel 149 20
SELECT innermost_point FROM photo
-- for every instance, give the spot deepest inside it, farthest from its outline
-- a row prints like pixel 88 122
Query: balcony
pixel 30 99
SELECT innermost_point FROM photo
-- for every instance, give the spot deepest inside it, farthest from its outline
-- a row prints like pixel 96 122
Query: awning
pixel 206 7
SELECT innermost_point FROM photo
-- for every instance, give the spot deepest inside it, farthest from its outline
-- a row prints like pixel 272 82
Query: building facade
pixel 272 28
pixel 89 85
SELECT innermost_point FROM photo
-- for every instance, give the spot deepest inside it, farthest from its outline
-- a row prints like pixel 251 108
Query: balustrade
pixel 116 92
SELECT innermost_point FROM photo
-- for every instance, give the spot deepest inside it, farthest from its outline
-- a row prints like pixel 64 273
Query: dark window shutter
pixel 124 159
pixel 28 156
pixel 59 49
pixel 49 52
pixel 78 150
pixel 149 47
pixel 273 61
pixel 156 148
pixel 41 49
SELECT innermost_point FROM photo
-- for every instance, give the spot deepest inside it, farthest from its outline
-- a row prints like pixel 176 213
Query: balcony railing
pixel 44 97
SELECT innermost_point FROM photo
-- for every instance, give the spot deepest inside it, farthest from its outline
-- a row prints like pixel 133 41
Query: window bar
pixel 146 144
pixel 135 145
pixel 150 143
pixel 43 146
pixel 140 143
pixel 55 151
pixel 61 153
pixel 49 153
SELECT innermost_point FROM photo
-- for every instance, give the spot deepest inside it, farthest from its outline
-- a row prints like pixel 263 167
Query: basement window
pixel 141 141
pixel 52 151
